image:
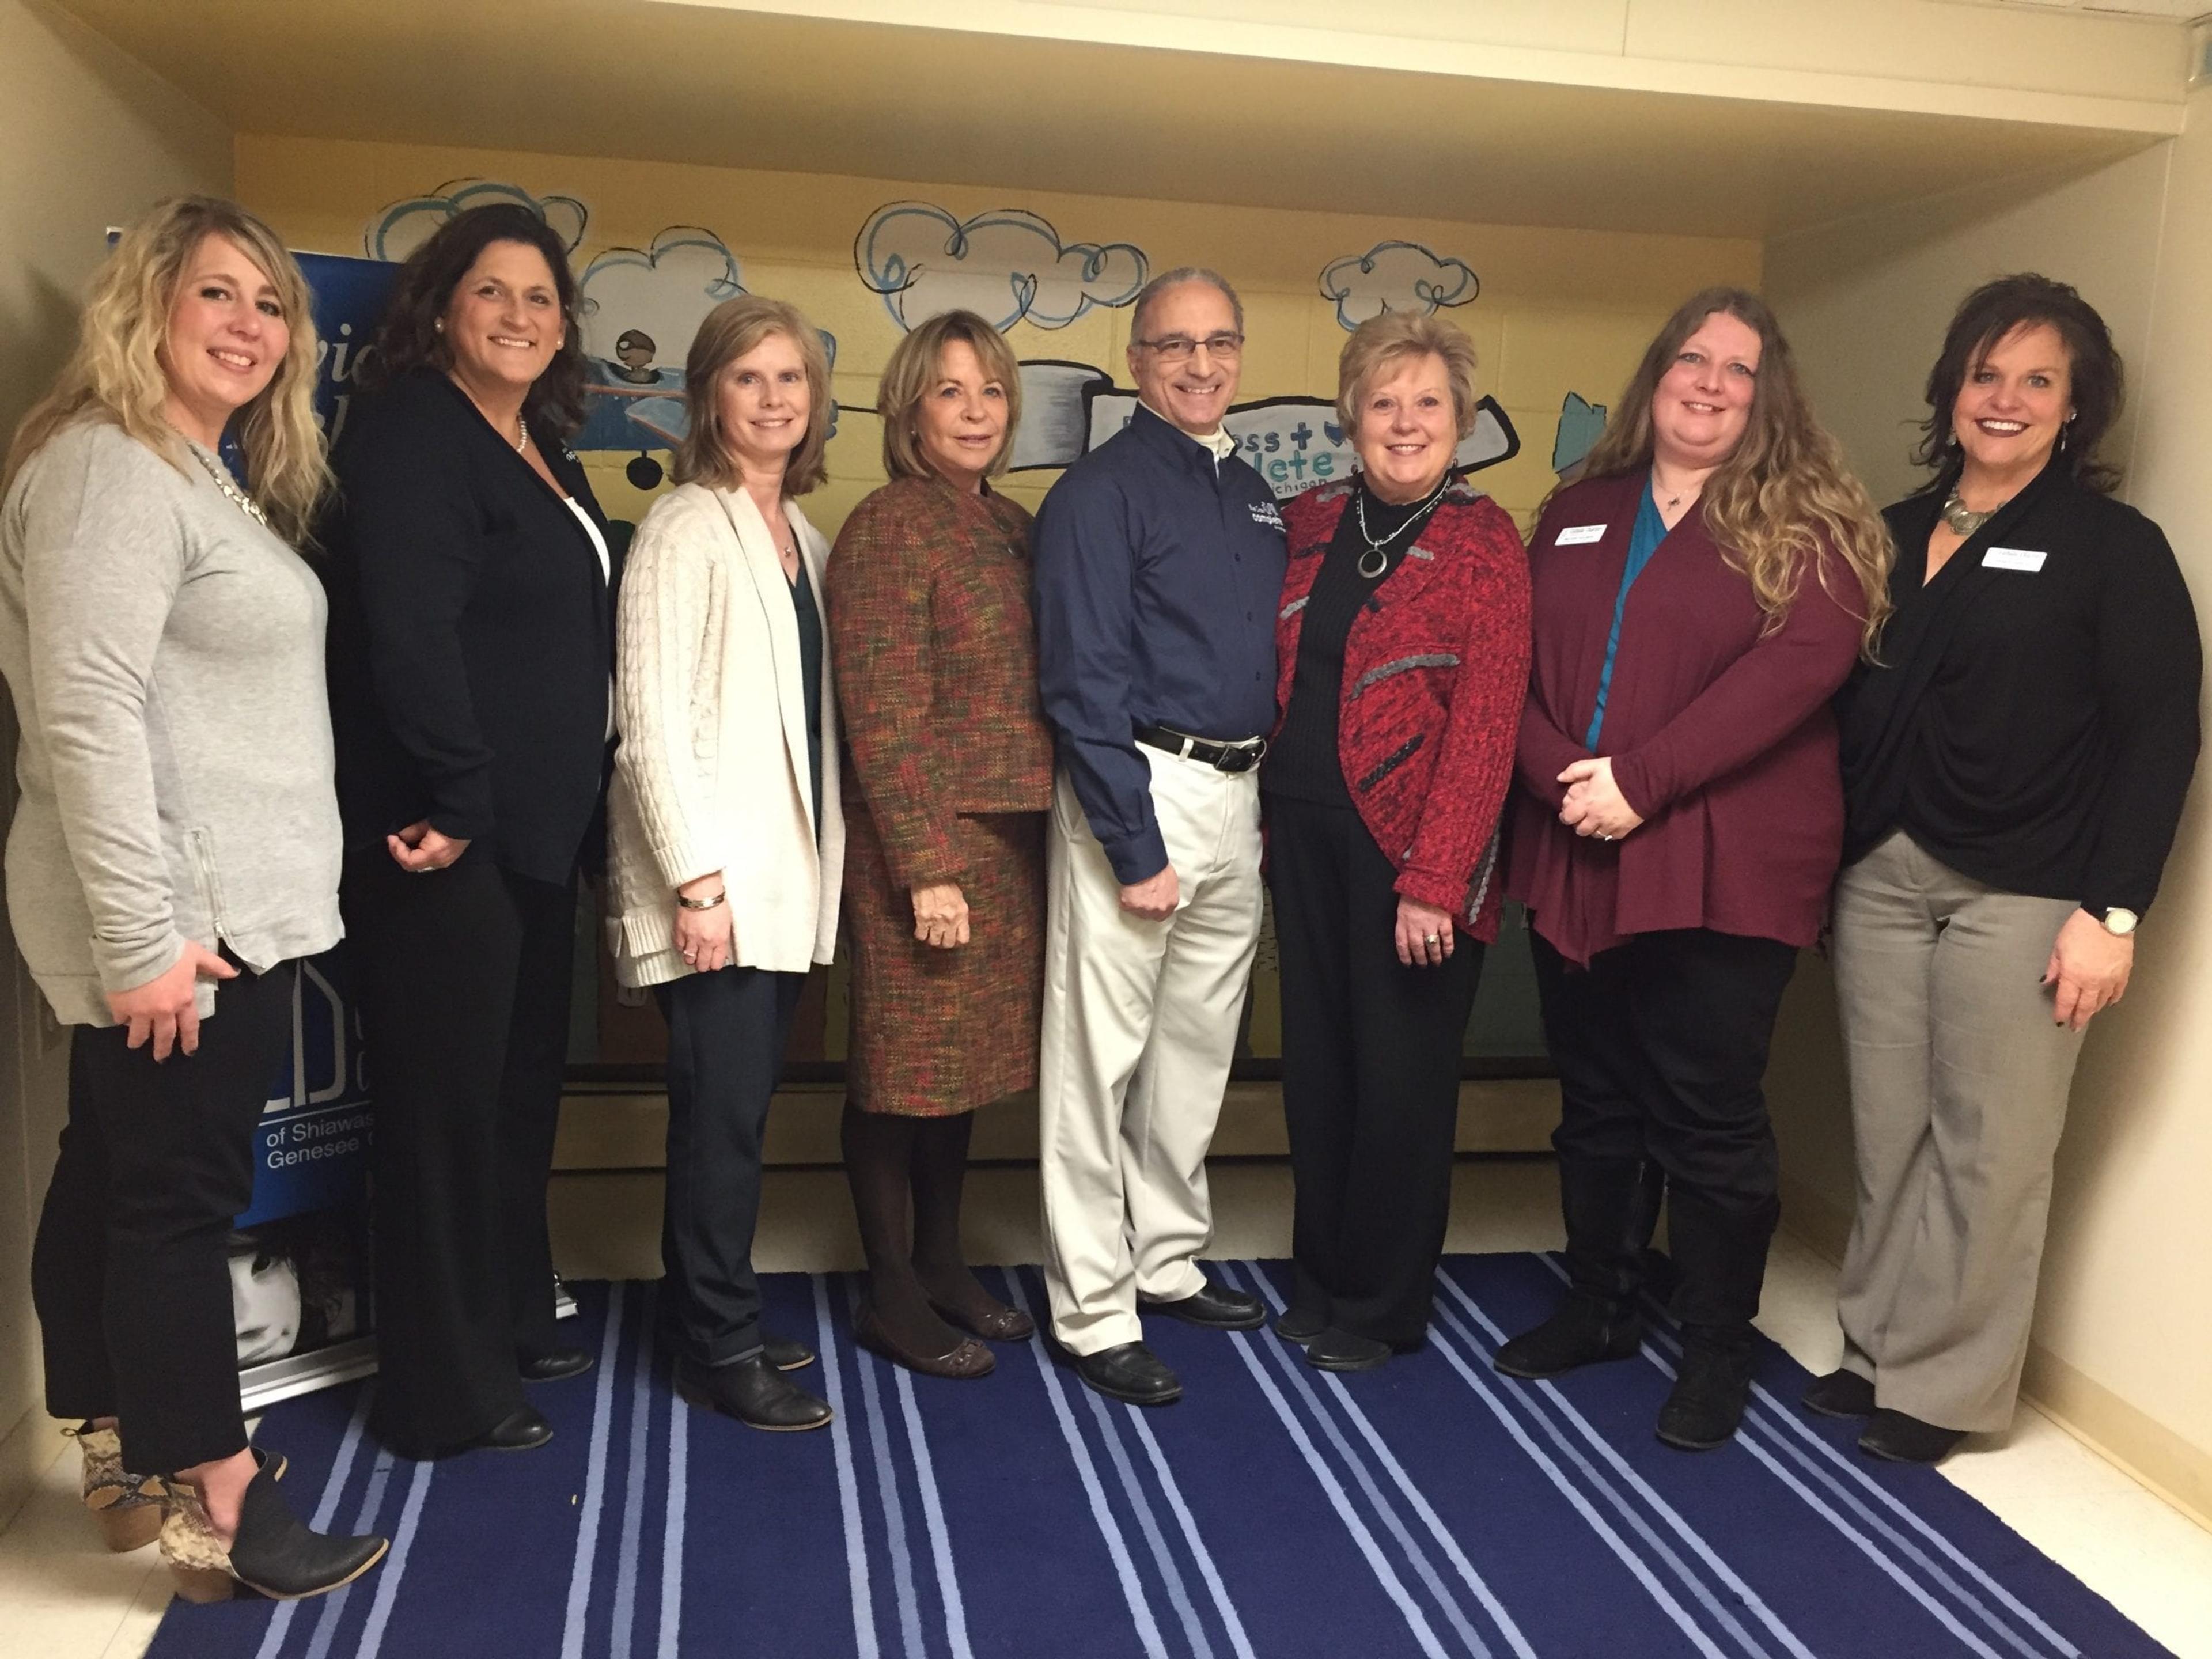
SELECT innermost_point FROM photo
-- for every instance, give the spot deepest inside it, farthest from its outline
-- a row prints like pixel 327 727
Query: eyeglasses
pixel 1181 348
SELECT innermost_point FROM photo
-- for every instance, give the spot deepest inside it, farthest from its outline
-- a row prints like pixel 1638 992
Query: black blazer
pixel 471 634
pixel 2032 721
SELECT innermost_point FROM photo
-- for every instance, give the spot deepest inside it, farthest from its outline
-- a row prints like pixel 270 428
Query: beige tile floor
pixel 61 1597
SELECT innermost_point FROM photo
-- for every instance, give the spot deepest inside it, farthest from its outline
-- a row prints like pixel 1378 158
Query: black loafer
pixel 523 1429
pixel 552 1367
pixel 1335 1350
pixel 1895 1437
pixel 1216 1307
pixel 1299 1327
pixel 754 1393
pixel 785 1354
pixel 1840 1394
pixel 1130 1372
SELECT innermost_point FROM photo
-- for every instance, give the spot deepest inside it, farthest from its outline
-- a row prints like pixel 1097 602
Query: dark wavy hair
pixel 1988 315
pixel 409 337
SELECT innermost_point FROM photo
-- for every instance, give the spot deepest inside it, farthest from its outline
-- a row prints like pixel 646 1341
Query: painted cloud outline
pixel 395 231
pixel 676 245
pixel 908 250
pixel 1395 276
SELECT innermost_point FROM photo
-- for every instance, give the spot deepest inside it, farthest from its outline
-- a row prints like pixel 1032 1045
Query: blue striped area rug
pixel 1431 1508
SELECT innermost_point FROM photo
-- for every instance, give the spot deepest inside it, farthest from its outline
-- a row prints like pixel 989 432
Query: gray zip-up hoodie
pixel 166 655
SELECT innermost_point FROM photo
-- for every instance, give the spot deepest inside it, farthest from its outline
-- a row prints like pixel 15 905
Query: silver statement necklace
pixel 1963 520
pixel 1377 547
pixel 216 470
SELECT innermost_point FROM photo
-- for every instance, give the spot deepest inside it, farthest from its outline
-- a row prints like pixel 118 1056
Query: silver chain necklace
pixel 216 470
pixel 1963 520
pixel 1376 549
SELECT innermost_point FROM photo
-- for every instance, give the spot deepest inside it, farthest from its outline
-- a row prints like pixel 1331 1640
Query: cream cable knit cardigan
pixel 711 772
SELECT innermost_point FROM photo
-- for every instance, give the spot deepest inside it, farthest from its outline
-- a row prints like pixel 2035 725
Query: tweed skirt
pixel 936 1033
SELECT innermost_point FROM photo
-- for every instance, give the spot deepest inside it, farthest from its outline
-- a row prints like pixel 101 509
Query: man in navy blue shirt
pixel 1159 561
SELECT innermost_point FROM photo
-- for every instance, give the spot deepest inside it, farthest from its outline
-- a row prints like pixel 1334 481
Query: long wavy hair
pixel 115 373
pixel 1782 491
pixel 408 336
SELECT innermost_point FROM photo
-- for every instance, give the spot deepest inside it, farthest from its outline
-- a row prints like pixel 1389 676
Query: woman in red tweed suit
pixel 1402 652
pixel 948 775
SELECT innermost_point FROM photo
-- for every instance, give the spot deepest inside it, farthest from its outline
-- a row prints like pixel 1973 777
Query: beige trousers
pixel 1958 1078
pixel 1140 1022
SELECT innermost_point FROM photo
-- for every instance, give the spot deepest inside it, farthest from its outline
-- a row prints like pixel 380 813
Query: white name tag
pixel 2014 558
pixel 1578 535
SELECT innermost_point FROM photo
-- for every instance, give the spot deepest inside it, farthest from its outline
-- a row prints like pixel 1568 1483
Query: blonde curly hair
pixel 115 373
pixel 1782 490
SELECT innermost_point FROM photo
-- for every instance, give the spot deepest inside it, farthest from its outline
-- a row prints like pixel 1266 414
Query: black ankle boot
pixel 1586 1331
pixel 273 1552
pixel 1711 1389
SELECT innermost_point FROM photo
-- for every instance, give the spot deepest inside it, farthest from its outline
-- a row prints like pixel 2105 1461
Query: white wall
pixel 91 139
pixel 2122 1350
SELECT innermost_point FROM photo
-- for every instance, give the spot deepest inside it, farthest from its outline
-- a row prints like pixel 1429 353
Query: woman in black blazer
pixel 471 643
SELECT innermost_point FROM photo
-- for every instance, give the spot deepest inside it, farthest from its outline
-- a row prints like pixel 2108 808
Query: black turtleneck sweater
pixel 1303 763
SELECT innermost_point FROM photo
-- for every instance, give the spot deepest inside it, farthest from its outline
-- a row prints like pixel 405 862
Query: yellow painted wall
pixel 2122 1351
pixel 91 140
pixel 1559 310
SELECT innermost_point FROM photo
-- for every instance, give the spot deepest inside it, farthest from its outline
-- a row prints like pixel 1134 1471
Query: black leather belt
pixel 1241 756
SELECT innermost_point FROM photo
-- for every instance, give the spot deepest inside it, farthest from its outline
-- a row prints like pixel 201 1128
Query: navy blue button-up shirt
pixel 1158 569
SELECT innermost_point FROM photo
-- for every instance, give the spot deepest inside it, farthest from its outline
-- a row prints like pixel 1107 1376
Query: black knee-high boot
pixel 1601 1201
pixel 1720 1252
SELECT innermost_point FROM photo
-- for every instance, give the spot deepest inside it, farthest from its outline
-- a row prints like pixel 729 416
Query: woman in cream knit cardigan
pixel 728 845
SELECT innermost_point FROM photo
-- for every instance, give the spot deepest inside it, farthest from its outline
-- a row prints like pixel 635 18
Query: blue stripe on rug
pixel 1431 1508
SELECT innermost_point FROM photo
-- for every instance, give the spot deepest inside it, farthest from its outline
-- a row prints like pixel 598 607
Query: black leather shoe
pixel 1586 1330
pixel 1896 1438
pixel 273 1551
pixel 754 1393
pixel 1712 1387
pixel 1297 1326
pixel 1335 1350
pixel 523 1429
pixel 1840 1394
pixel 785 1354
pixel 1130 1372
pixel 1216 1307
pixel 553 1366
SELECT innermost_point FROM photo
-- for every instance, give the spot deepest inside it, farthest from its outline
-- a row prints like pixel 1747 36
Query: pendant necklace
pixel 1377 546
pixel 1963 520
pixel 238 498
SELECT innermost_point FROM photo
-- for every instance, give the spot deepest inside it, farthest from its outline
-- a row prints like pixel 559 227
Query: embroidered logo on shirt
pixel 2014 558
pixel 1578 535
pixel 1264 513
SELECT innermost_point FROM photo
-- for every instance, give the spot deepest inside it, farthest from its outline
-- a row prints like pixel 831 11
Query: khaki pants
pixel 1958 1078
pixel 1140 1022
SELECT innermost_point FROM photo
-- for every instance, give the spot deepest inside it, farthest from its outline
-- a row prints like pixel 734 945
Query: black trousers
pixel 1662 1048
pixel 1370 1076
pixel 129 1273
pixel 463 980
pixel 726 1032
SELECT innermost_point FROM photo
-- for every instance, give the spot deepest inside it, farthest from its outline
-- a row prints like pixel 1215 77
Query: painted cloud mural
pixel 1009 265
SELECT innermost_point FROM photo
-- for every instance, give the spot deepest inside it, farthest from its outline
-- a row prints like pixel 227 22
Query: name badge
pixel 2014 558
pixel 1579 535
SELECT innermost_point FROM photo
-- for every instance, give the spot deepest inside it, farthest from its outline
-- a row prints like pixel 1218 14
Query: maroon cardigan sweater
pixel 1719 732
pixel 1435 669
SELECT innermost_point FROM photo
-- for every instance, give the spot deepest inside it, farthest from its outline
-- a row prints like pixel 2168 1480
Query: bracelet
pixel 704 903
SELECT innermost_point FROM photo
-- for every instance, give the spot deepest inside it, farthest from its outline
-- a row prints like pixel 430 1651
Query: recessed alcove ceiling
pixel 718 85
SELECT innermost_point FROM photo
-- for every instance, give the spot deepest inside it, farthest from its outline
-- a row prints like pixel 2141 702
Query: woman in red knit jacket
pixel 1699 595
pixel 1402 646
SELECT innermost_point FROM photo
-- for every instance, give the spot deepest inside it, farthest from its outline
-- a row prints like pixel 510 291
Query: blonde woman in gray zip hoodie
pixel 174 853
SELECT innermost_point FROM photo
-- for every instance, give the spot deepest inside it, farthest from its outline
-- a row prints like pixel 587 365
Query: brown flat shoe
pixel 1001 1324
pixel 969 1359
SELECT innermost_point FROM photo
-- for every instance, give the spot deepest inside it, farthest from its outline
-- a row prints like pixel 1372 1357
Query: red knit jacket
pixel 1434 671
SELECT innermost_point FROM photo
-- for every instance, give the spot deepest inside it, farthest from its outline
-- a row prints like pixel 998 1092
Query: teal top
pixel 1644 541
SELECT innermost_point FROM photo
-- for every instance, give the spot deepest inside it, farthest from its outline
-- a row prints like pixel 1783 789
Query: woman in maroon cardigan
pixel 1698 597
pixel 1402 652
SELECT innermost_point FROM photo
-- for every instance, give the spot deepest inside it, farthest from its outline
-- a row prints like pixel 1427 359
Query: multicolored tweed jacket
pixel 935 659
pixel 1435 671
